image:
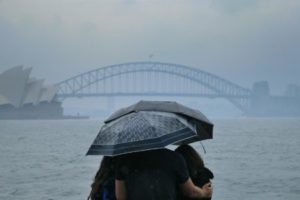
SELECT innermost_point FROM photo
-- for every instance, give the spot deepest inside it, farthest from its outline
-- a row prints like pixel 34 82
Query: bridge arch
pixel 215 86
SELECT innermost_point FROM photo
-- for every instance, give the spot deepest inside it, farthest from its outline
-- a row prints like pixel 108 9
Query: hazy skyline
pixel 241 41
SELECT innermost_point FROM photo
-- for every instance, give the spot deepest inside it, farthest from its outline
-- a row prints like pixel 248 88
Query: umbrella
pixel 203 126
pixel 130 130
pixel 140 131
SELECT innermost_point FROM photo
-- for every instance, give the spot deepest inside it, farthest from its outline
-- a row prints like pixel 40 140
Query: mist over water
pixel 251 158
pixel 240 41
pixel 244 42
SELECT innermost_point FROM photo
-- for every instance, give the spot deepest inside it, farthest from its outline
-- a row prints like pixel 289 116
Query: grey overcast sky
pixel 240 40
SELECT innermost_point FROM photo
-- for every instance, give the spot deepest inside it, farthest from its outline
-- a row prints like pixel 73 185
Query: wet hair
pixel 192 158
pixel 106 169
pixel 199 174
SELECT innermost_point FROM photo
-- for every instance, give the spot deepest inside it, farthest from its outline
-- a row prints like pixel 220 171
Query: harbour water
pixel 251 159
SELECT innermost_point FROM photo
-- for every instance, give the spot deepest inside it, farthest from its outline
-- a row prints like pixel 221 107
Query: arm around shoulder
pixel 192 191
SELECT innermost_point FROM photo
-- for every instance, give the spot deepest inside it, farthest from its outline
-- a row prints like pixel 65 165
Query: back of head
pixel 192 158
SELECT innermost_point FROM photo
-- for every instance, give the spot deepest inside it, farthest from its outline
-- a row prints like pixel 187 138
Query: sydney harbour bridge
pixel 155 79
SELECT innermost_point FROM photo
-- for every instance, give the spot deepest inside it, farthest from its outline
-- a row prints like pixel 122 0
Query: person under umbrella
pixel 138 137
pixel 199 174
pixel 156 174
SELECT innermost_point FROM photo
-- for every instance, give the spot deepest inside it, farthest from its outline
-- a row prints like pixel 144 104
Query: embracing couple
pixel 156 174
pixel 136 166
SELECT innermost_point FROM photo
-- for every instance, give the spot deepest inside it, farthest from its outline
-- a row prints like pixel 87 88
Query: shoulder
pixel 168 152
pixel 173 159
pixel 168 155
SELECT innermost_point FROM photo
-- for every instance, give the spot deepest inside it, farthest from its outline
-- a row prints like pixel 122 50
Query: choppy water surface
pixel 251 159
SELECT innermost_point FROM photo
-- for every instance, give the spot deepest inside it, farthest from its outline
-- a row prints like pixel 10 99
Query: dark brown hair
pixel 192 158
pixel 106 169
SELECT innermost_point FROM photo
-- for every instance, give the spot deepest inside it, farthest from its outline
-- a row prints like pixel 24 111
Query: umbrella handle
pixel 203 147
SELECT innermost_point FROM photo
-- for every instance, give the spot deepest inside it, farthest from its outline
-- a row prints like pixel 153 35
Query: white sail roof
pixel 32 92
pixel 3 100
pixel 12 84
pixel 17 88
pixel 48 93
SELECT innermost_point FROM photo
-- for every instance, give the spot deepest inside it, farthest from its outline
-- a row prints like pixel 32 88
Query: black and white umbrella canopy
pixel 204 126
pixel 141 131
pixel 150 125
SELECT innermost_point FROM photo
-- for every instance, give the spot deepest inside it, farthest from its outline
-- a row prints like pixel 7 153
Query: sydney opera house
pixel 25 97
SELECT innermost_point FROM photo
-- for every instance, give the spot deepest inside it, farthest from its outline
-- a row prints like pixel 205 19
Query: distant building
pixel 263 104
pixel 25 97
pixel 292 90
